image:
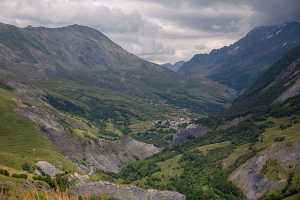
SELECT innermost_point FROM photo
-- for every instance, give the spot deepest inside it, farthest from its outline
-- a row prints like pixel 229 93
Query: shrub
pixel 28 167
pixel 62 182
pixel 285 126
pixel 5 86
pixel 24 176
pixel 46 179
pixel 4 172
pixel 279 139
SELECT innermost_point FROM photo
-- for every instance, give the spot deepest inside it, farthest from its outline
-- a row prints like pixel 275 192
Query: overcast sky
pixel 157 30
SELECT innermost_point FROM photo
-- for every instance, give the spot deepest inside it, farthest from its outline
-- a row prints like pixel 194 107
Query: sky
pixel 160 31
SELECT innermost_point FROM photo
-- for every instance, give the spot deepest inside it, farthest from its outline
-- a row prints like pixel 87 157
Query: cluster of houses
pixel 179 123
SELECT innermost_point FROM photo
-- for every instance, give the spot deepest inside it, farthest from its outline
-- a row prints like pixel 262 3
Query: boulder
pixel 45 168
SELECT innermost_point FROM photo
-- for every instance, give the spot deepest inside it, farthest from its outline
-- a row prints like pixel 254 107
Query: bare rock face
pixel 249 177
pixel 189 134
pixel 106 155
pixel 48 169
pixel 111 156
pixel 292 91
pixel 122 192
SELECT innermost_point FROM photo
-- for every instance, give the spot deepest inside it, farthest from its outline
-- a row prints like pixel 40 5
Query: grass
pixel 19 193
pixel 141 126
pixel 290 133
pixel 274 171
pixel 101 105
pixel 21 140
pixel 169 169
pixel 111 131
pixel 294 197
pixel 235 155
pixel 206 148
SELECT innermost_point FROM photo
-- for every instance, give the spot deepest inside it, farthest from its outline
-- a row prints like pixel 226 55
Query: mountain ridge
pixel 239 64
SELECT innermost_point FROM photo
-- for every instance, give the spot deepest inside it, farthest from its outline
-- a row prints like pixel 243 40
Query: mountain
pixel 251 153
pixel 274 100
pixel 72 98
pixel 81 67
pixel 281 82
pixel 84 92
pixel 241 63
pixel 174 67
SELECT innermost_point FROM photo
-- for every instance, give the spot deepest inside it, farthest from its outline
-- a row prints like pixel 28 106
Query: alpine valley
pixel 81 115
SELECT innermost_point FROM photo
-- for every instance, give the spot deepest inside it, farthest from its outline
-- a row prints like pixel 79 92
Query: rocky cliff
pixel 268 171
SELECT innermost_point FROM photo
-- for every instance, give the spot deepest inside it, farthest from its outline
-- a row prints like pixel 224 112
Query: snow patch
pixel 236 48
pixel 270 36
pixel 284 44
pixel 278 32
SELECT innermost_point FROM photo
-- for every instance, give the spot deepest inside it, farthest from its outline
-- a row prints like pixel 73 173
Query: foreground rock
pixel 122 192
pixel 46 168
pixel 251 179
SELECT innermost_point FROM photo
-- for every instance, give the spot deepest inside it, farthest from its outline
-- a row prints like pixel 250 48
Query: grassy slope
pixel 20 140
pixel 237 153
pixel 168 169
pixel 206 148
pixel 19 192
pixel 294 197
pixel 286 128
pixel 200 169
pixel 102 105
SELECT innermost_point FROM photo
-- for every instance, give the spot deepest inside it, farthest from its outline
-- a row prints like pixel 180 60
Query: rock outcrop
pixel 106 155
pixel 45 168
pixel 189 134
pixel 250 178
pixel 122 192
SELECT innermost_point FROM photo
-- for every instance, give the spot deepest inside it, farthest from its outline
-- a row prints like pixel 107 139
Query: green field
pixel 235 155
pixel 206 148
pixel 286 129
pixel 21 140
pixel 168 169
pixel 294 197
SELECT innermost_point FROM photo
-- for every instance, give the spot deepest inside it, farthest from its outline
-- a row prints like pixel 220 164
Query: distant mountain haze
pixel 174 67
pixel 238 65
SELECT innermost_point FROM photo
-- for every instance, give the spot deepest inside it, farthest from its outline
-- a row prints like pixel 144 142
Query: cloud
pixel 156 30
pixel 275 11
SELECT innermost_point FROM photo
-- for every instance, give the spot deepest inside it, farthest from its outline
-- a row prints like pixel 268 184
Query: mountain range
pixel 224 125
pixel 89 64
pixel 174 67
pixel 240 64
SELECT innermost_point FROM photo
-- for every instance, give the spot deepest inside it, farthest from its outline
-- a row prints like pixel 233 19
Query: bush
pixel 24 176
pixel 62 182
pixel 5 86
pixel 279 139
pixel 285 126
pixel 28 167
pixel 46 179
pixel 4 172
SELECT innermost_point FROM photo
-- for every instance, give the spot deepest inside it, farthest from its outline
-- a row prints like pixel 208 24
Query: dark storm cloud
pixel 157 30
pixel 275 11
pixel 210 24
